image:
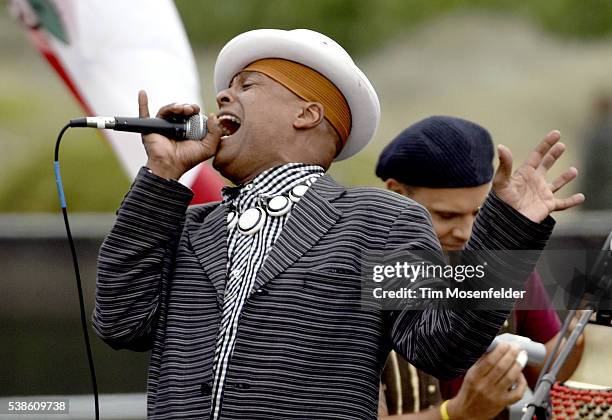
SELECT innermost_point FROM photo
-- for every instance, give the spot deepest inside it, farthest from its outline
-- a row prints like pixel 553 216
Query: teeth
pixel 230 126
pixel 230 117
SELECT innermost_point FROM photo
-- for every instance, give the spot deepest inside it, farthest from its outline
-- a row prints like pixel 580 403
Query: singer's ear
pixel 143 104
pixel 310 115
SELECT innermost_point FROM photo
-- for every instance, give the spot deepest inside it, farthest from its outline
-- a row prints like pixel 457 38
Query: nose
pixel 463 230
pixel 224 97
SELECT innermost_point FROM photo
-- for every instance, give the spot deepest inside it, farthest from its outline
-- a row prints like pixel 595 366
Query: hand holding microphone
pixel 168 156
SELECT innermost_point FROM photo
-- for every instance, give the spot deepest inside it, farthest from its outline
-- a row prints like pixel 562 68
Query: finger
pixel 213 126
pixel 143 104
pixel 551 157
pixel 171 110
pixel 569 202
pixel 175 109
pixel 211 141
pixel 168 110
pixel 563 179
pixel 505 363
pixel 511 377
pixel 504 170
pixel 487 362
pixel 190 109
pixel 517 393
pixel 541 149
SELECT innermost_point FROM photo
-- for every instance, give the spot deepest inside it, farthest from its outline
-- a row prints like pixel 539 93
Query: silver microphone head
pixel 196 127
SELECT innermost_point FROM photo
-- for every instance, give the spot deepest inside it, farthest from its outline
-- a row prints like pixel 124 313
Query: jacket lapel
pixel 209 242
pixel 310 219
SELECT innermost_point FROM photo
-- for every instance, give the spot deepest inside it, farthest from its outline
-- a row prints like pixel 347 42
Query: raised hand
pixel 171 159
pixel 526 190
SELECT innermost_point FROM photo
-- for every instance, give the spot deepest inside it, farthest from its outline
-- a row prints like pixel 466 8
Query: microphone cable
pixel 75 263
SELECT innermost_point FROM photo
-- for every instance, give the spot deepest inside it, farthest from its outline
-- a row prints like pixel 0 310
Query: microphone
pixel 177 128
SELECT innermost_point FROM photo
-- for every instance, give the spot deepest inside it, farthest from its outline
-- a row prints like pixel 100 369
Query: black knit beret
pixel 439 152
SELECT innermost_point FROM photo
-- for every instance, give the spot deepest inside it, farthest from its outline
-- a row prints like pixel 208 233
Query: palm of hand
pixel 526 190
pixel 189 153
pixel 179 155
pixel 528 193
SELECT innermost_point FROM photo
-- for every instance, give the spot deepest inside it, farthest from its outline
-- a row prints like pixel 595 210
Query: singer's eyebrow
pixel 242 76
pixel 237 78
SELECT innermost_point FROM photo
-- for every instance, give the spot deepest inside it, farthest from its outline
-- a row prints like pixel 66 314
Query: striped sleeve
pixel 135 259
pixel 443 342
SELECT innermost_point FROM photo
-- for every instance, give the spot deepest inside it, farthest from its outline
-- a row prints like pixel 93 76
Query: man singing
pixel 251 306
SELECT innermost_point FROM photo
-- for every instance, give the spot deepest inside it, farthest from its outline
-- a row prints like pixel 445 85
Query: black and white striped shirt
pixel 246 254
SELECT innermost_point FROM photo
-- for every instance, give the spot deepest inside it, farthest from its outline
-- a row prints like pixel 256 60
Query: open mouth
pixel 229 125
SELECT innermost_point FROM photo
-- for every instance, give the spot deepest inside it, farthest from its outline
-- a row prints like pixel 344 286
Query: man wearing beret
pixel 445 164
pixel 251 306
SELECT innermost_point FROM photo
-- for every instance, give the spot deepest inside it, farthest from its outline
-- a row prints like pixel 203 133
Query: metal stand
pixel 539 406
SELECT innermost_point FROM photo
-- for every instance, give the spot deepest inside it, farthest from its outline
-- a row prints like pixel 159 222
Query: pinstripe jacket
pixel 305 348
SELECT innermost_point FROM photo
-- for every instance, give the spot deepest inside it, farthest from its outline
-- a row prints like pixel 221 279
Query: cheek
pixel 268 111
pixel 260 120
pixel 470 224
pixel 442 227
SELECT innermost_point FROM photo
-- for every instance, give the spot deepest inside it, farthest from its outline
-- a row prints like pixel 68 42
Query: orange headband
pixel 309 85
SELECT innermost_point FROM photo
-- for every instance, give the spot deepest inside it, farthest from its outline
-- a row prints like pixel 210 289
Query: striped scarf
pixel 247 253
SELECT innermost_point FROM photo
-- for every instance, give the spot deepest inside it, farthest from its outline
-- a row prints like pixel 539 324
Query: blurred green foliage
pixel 360 25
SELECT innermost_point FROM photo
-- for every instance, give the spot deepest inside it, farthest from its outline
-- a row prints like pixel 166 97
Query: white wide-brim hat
pixel 318 52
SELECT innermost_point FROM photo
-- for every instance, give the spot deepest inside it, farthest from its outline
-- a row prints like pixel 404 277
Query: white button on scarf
pixel 232 219
pixel 252 220
pixel 297 192
pixel 279 205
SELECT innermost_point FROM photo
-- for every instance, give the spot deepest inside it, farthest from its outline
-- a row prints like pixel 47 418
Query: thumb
pixel 143 104
pixel 213 136
pixel 504 170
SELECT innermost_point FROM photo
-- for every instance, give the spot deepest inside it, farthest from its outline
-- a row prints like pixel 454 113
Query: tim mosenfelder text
pixel 422 270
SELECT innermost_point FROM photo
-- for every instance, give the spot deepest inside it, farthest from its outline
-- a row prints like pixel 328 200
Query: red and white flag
pixel 105 51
